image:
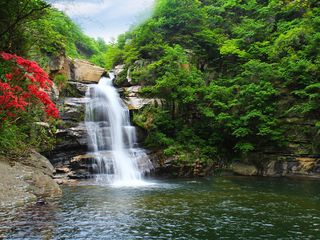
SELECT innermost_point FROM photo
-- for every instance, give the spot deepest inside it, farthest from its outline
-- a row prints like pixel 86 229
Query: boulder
pixel 84 71
pixel 244 169
pixel 27 179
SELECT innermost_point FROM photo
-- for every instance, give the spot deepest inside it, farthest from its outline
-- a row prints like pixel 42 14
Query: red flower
pixel 9 76
pixel 28 85
pixel 6 56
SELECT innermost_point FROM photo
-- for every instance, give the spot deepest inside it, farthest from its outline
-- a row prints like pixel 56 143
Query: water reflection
pixel 36 221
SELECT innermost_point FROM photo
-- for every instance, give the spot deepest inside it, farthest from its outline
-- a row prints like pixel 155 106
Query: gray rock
pixel 134 101
pixel 80 87
pixel 56 62
pixel 27 179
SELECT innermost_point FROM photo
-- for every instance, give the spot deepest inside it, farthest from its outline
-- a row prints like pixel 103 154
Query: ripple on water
pixel 221 208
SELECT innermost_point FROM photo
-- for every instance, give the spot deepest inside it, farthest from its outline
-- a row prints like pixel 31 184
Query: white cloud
pixel 105 18
pixel 82 8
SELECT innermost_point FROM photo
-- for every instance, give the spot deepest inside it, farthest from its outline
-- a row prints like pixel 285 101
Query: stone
pixel 56 62
pixel 73 109
pixel 26 180
pixel 86 72
pixel 60 65
pixel 244 169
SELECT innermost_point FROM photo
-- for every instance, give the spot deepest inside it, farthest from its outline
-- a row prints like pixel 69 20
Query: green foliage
pixel 61 81
pixel 11 138
pixel 227 72
pixel 113 56
pixel 25 133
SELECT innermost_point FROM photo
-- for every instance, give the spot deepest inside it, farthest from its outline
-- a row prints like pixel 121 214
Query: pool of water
pixel 216 208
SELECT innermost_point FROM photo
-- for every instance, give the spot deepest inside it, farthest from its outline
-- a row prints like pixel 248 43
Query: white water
pixel 112 139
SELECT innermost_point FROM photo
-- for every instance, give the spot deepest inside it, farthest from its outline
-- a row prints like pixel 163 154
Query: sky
pixel 106 18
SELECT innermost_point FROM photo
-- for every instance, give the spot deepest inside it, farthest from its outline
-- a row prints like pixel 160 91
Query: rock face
pixel 293 166
pixel 86 72
pixel 72 135
pixel 134 101
pixel 30 178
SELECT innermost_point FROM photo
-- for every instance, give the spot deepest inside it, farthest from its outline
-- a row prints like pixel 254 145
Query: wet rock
pixel 73 109
pixel 79 174
pixel 41 202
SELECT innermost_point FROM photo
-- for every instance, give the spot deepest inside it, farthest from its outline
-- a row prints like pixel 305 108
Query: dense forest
pixel 229 74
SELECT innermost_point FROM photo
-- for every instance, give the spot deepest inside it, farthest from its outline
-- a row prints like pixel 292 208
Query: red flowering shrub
pixel 23 84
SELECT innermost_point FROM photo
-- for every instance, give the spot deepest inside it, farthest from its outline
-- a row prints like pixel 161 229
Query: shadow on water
pixel 217 208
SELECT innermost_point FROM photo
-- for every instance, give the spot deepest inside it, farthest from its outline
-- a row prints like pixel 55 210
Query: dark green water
pixel 217 208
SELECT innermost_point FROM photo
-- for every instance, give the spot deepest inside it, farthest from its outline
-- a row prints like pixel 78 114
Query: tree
pixel 14 14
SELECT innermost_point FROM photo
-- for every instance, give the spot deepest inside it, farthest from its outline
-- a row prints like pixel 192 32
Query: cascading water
pixel 111 138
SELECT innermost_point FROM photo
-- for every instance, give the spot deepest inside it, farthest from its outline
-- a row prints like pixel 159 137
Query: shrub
pixel 24 103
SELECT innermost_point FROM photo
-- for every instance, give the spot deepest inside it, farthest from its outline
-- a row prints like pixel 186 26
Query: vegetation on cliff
pixel 228 72
pixel 35 30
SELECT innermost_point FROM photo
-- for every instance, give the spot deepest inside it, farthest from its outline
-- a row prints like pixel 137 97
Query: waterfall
pixel 111 138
